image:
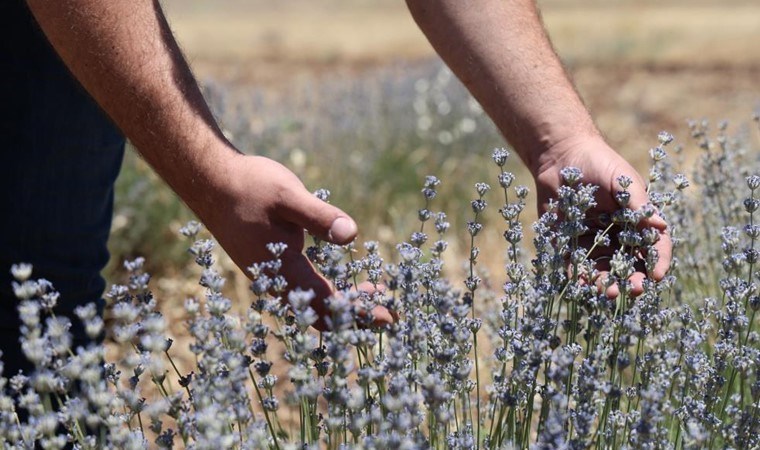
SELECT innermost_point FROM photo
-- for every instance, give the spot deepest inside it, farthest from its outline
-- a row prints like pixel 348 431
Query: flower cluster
pixel 549 361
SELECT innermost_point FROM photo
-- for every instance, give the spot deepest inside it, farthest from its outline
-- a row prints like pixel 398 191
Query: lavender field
pixel 503 335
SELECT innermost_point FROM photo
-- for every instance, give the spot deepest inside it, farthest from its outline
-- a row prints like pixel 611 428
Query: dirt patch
pixel 263 42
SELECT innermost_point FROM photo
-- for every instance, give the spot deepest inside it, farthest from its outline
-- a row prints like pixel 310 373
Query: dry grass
pixel 705 34
pixel 259 42
pixel 249 40
pixel 640 65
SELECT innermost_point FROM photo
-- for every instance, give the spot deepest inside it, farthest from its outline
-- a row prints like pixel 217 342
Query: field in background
pixel 286 76
pixel 257 41
pixel 330 89
pixel 640 65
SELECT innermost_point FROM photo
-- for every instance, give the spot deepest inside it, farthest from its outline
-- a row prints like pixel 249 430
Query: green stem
pixel 176 370
pixel 266 413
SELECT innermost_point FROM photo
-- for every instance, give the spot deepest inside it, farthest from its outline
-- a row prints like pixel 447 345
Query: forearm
pixel 499 49
pixel 123 53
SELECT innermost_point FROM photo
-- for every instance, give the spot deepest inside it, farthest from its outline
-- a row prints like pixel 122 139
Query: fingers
pixel 664 245
pixel 602 255
pixel 664 249
pixel 331 224
pixel 382 317
pixel 655 221
pixel 319 218
pixel 300 273
pixel 613 291
pixel 639 199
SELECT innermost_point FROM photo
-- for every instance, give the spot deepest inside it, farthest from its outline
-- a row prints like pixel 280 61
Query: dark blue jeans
pixel 59 158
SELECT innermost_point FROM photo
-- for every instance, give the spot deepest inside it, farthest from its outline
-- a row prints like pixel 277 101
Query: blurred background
pixel 350 96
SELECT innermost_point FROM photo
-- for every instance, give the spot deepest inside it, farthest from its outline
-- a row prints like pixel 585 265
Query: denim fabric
pixel 59 158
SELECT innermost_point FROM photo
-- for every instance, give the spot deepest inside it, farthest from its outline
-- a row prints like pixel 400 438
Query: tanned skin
pixel 500 51
pixel 125 56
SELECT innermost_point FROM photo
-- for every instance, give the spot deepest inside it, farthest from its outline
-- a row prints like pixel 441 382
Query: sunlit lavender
pixel 544 361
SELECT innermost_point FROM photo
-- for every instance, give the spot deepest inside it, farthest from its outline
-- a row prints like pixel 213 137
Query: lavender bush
pixel 544 362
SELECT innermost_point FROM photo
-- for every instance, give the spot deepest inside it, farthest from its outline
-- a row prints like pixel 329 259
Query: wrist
pixel 209 179
pixel 547 134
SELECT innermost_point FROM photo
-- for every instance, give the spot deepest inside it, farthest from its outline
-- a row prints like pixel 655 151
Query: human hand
pixel 602 166
pixel 263 202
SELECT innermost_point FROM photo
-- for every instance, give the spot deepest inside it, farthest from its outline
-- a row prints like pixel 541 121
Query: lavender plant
pixel 549 361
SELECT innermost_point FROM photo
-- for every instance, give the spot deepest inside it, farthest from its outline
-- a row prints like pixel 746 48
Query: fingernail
pixel 659 222
pixel 342 229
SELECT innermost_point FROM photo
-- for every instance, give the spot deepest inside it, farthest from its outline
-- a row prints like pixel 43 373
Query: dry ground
pixel 641 66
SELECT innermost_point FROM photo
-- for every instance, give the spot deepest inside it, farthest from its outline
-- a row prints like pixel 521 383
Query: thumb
pixel 318 217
